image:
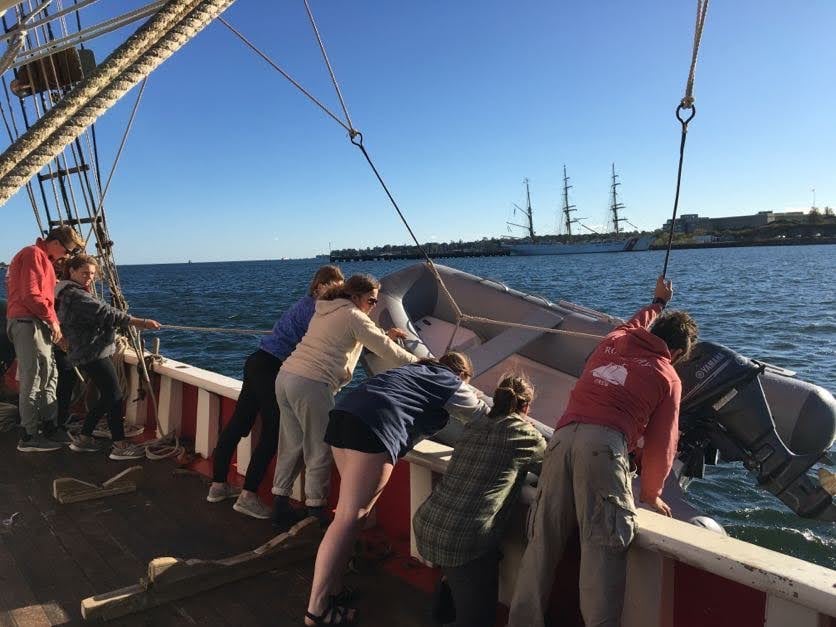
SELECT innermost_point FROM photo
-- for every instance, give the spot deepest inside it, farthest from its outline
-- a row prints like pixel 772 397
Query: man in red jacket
pixel 629 390
pixel 33 327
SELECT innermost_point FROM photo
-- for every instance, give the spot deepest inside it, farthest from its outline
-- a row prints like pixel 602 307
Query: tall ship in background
pixel 605 243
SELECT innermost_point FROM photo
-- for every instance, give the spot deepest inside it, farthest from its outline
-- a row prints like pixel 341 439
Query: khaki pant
pixel 304 405
pixel 585 482
pixel 36 372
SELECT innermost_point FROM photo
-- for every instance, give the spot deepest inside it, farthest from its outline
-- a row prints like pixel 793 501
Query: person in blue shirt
pixel 258 397
pixel 370 428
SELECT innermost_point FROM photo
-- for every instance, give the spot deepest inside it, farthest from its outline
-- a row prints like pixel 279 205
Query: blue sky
pixel 458 102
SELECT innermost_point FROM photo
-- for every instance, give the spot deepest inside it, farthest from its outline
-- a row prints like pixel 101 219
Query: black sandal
pixel 335 614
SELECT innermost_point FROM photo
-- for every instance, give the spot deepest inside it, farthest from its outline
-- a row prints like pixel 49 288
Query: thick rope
pixel 702 10
pixel 120 59
pixel 87 112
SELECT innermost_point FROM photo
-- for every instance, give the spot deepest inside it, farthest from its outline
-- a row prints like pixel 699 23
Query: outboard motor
pixel 726 414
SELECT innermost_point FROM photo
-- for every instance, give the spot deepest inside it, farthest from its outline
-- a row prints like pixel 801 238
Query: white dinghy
pixel 733 408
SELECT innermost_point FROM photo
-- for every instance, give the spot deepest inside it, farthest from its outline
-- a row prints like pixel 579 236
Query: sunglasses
pixel 69 251
pixel 371 300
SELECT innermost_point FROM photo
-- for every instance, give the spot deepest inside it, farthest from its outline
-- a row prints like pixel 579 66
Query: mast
pixel 567 208
pixel 614 204
pixel 528 212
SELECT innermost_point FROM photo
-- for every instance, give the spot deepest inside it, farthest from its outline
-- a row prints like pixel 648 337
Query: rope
pixel 276 67
pixel 216 329
pixel 16 169
pixel 687 103
pixel 121 58
pixel 351 131
pixel 702 11
pixel 530 327
pixel 103 193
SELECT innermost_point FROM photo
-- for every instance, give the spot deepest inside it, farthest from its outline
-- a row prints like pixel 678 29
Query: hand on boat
pixel 664 289
pixel 661 507
pixel 396 334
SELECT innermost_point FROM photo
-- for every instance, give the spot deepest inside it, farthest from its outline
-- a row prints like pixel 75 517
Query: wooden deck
pixel 52 555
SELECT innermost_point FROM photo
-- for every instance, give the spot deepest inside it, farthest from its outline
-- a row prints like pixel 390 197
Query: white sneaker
pixel 251 506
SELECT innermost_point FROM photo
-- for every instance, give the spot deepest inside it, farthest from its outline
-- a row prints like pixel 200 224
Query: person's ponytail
pixel 511 395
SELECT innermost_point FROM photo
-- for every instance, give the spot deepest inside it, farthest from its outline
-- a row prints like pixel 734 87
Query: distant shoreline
pixel 795 241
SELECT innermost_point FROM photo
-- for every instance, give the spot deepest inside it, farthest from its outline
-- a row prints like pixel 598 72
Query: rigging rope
pixel 152 44
pixel 180 327
pixel 293 81
pixel 686 104
pixel 104 191
pixel 330 69
pixel 356 138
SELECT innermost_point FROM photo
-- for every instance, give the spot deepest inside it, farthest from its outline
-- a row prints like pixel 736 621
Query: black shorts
pixel 346 430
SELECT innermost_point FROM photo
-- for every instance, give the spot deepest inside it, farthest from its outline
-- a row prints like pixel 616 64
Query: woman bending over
pixel 322 363
pixel 258 397
pixel 89 327
pixel 369 430
pixel 460 526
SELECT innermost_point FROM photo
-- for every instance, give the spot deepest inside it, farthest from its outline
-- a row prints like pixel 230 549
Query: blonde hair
pixel 512 394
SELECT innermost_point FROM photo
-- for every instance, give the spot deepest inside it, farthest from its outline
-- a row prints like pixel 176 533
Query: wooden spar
pixel 169 578
pixel 69 490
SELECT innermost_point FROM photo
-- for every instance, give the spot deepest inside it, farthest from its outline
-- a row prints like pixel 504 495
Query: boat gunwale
pixel 773 573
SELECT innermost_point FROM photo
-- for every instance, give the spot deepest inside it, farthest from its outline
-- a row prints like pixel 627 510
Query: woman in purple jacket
pixel 258 396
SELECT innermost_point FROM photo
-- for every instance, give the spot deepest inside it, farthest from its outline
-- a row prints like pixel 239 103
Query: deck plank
pixel 54 555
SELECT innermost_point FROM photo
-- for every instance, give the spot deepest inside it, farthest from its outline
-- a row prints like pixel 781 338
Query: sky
pixel 458 103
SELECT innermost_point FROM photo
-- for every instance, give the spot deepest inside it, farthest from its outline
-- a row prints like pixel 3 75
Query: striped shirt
pixel 468 511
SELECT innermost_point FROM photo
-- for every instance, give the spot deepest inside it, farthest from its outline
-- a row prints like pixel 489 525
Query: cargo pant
pixel 586 483
pixel 36 372
pixel 304 405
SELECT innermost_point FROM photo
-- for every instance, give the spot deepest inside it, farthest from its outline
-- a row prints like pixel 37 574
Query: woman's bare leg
pixel 362 478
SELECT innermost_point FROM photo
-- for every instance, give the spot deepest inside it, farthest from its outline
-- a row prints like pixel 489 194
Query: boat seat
pixel 511 340
pixel 436 333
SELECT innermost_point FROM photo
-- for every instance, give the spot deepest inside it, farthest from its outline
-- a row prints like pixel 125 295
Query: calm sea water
pixel 776 304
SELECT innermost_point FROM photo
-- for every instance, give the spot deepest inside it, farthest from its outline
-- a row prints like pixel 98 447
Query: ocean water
pixel 776 304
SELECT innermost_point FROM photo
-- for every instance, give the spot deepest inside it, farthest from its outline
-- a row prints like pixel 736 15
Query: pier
pixel 342 257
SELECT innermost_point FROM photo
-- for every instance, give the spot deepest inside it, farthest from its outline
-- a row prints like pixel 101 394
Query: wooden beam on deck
pixel 169 579
pixel 69 490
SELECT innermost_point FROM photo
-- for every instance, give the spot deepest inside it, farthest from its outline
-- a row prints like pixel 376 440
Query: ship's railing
pixel 664 554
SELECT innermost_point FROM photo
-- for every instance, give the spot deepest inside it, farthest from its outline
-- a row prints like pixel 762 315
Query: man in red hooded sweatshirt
pixel 33 327
pixel 628 390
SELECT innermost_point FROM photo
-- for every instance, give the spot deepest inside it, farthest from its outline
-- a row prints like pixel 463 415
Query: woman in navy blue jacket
pixel 258 396
pixel 369 430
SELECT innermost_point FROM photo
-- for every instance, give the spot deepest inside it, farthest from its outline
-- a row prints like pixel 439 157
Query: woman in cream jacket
pixel 322 363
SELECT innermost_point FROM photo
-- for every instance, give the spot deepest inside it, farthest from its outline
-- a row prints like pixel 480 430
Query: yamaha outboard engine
pixel 726 413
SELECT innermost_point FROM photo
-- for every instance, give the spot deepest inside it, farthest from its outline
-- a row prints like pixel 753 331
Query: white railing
pixel 798 593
